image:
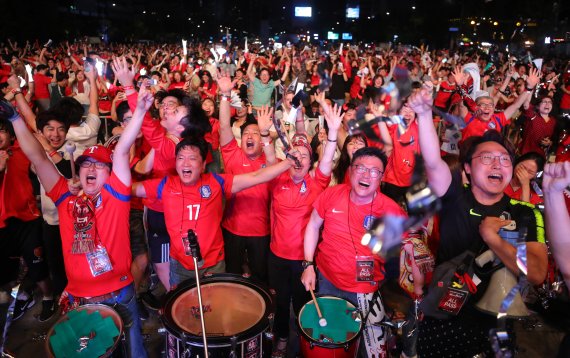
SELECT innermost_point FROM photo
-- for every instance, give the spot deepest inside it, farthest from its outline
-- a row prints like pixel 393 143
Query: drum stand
pixel 202 321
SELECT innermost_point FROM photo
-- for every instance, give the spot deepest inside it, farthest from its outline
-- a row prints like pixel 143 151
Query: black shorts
pixel 157 236
pixel 22 238
pixel 136 231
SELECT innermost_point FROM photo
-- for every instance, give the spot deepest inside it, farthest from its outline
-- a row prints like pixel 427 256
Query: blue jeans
pixel 127 299
pixel 327 288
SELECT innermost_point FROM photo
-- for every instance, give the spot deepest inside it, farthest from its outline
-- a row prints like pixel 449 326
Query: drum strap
pixel 373 335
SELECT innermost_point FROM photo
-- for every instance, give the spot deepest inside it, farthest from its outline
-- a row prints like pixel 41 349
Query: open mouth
pixel 91 179
pixel 364 184
pixel 186 172
pixel 249 144
pixel 495 177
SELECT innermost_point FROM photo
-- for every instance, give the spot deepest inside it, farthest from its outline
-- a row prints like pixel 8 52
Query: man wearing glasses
pixel 471 219
pixel 348 269
pixel 485 117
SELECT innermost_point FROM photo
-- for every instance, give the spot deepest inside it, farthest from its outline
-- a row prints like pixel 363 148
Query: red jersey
pixel 476 126
pixel 402 161
pixel 213 137
pixel 516 194
pixel 16 195
pixel 247 212
pixel 535 129
pixel 344 225
pixel 164 149
pixel 443 96
pixel 291 208
pixel 112 227
pixel 41 86
pixel 197 207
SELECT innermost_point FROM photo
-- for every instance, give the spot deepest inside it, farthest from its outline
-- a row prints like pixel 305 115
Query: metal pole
pixel 202 321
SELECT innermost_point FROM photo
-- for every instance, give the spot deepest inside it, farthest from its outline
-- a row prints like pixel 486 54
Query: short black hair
pixel 538 159
pixel 121 109
pixel 193 141
pixel 196 122
pixel 61 76
pixel 6 125
pixel 248 122
pixel 370 152
pixel 489 136
pixel 44 117
pixel 69 110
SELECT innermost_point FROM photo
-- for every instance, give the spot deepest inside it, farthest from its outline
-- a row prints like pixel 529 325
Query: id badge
pixel 186 246
pixel 99 261
pixel 453 300
pixel 364 268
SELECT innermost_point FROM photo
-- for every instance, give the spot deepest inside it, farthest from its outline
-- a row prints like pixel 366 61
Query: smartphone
pixel 152 82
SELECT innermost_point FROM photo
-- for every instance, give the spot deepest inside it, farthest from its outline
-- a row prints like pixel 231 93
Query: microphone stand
pixel 196 256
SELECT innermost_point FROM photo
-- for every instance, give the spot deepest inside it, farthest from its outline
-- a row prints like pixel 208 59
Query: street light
pixel 472 22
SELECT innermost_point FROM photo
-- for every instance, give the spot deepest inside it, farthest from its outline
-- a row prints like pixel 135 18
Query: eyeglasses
pixel 89 164
pixel 168 105
pixel 485 105
pixel 361 169
pixel 488 158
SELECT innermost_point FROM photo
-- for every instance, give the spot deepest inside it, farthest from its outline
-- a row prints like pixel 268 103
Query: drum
pixel 339 338
pixel 236 312
pixel 93 330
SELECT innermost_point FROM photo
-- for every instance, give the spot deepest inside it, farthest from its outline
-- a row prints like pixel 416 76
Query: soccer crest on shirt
pixel 492 125
pixel 98 201
pixel 368 220
pixel 205 191
pixel 303 188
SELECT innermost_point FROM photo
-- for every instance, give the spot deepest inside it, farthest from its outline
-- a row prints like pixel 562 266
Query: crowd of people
pixel 252 151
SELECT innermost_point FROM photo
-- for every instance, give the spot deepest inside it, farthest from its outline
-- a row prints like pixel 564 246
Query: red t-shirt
pixel 516 194
pixel 565 100
pixel 477 127
pixel 344 225
pixel 112 225
pixel 402 161
pixel 291 208
pixel 247 212
pixel 444 94
pixel 534 130
pixel 213 137
pixel 197 207
pixel 16 195
pixel 41 86
pixel 164 149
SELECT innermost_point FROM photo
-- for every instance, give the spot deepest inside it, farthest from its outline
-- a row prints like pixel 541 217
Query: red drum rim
pixel 105 310
pixel 171 299
pixel 328 344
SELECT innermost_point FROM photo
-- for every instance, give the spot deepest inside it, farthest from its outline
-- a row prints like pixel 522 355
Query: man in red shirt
pixel 20 225
pixel 348 269
pixel 94 223
pixel 178 113
pixel 485 117
pixel 193 203
pixel 245 226
pixel 42 82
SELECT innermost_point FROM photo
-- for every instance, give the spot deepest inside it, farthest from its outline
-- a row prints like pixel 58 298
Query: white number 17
pixel 193 208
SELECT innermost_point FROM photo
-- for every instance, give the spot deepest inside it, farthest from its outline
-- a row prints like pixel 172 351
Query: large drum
pixel 339 338
pixel 236 313
pixel 93 330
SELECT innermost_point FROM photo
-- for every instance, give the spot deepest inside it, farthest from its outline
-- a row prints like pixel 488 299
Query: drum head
pixel 98 325
pixel 233 306
pixel 344 321
pixel 229 309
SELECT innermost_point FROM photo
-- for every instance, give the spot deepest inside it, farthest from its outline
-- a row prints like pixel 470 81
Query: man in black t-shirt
pixel 470 219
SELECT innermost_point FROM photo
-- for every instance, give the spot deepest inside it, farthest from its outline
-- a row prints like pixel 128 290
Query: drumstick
pixel 70 148
pixel 322 320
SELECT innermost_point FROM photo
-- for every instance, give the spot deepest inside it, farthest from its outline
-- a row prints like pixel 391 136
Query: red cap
pixel 300 140
pixel 98 153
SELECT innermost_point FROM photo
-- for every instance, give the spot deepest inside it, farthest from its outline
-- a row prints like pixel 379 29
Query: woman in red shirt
pixel 525 168
pixel 208 88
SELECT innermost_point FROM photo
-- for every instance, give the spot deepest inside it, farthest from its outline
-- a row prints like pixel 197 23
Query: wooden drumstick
pixel 322 320
pixel 70 148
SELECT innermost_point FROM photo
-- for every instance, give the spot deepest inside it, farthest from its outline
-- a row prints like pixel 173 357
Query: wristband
pixel 264 135
pixel 52 153
pixel 267 144
pixel 126 88
pixel 15 91
pixel 224 98
pixel 530 89
pixel 330 140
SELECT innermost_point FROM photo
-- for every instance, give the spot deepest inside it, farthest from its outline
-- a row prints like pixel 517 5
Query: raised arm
pixel 556 179
pixel 334 121
pixel 45 169
pixel 93 94
pixel 225 85
pixel 264 122
pixel 531 81
pixel 23 106
pixel 438 173
pixel 251 68
pixel 121 166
